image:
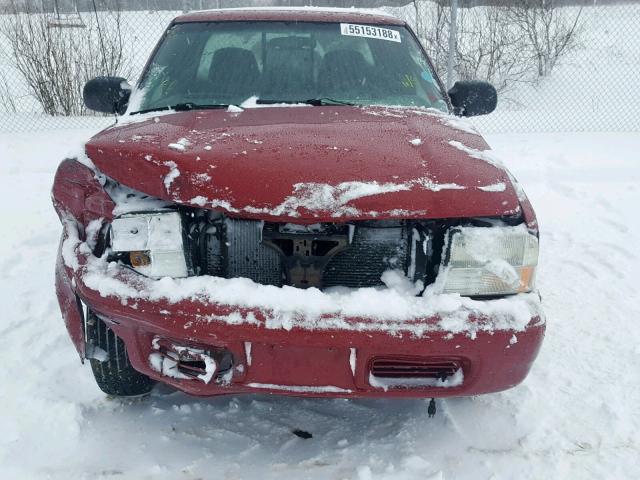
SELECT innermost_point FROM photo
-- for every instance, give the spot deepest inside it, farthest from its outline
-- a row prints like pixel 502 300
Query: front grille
pixel 373 251
pixel 414 367
pixel 246 255
pixel 333 255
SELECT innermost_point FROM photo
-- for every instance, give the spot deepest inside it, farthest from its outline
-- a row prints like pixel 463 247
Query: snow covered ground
pixel 577 415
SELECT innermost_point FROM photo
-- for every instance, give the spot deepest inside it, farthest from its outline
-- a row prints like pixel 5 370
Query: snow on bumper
pixel 306 342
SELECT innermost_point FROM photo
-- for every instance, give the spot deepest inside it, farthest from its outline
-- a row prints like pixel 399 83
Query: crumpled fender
pixel 78 195
pixel 70 305
pixel 78 192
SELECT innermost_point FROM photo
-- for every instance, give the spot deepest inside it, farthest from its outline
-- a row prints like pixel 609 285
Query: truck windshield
pixel 226 63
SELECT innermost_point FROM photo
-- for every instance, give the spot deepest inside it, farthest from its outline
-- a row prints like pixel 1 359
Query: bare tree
pixel 504 45
pixel 55 61
pixel 431 24
pixel 550 32
pixel 7 102
pixel 488 48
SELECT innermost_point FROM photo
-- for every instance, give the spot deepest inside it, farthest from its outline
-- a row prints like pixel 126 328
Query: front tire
pixel 110 364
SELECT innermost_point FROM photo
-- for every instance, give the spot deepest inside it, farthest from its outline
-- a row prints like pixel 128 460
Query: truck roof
pixel 291 14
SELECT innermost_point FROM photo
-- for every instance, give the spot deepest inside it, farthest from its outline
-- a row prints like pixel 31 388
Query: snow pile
pixel 252 102
pixel 576 415
pixel 490 157
pixel 325 197
pixel 429 184
pixel 411 382
pixel 400 111
pixel 180 146
pixel 318 197
pixel 448 119
pixel 172 175
pixel 496 187
pixel 200 200
pixel 459 124
pixel 485 155
pixel 299 388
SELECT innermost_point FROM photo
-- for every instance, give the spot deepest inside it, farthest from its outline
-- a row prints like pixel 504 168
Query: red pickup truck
pixel 290 203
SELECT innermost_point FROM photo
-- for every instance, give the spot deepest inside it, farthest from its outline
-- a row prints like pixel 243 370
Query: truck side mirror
pixel 107 95
pixel 473 97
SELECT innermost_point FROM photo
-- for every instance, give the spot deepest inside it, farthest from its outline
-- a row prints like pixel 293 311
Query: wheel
pixel 110 363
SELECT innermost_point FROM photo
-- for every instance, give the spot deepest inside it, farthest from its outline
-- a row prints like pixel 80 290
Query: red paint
pixel 327 145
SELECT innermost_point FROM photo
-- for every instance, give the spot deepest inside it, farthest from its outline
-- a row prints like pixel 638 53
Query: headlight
pixel 489 261
pixel 154 242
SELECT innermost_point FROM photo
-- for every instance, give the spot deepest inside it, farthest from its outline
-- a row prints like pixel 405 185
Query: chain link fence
pixel 558 65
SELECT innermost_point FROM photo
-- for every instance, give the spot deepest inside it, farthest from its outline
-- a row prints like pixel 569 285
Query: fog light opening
pixel 188 362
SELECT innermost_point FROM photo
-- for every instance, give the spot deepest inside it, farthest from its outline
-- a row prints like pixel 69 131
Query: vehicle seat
pixel 289 69
pixel 342 72
pixel 234 73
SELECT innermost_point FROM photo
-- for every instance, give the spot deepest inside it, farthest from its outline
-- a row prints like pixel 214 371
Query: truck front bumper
pixel 173 339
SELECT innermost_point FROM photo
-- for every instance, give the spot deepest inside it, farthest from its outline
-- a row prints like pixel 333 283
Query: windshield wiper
pixel 316 102
pixel 183 107
pixel 319 102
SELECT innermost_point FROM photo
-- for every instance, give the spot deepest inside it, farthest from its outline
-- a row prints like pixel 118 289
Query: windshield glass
pixel 222 63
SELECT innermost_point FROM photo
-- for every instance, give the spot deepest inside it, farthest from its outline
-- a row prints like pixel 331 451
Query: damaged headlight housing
pixel 485 261
pixel 154 243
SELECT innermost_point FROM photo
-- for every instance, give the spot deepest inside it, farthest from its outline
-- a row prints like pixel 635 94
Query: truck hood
pixel 309 164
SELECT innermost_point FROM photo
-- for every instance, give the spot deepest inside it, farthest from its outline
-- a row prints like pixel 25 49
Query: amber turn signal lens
pixel 139 259
pixel 526 279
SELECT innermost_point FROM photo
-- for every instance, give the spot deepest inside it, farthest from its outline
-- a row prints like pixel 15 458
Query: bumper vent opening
pixel 415 367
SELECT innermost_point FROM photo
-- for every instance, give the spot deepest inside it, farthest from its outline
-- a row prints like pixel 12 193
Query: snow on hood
pixel 309 164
